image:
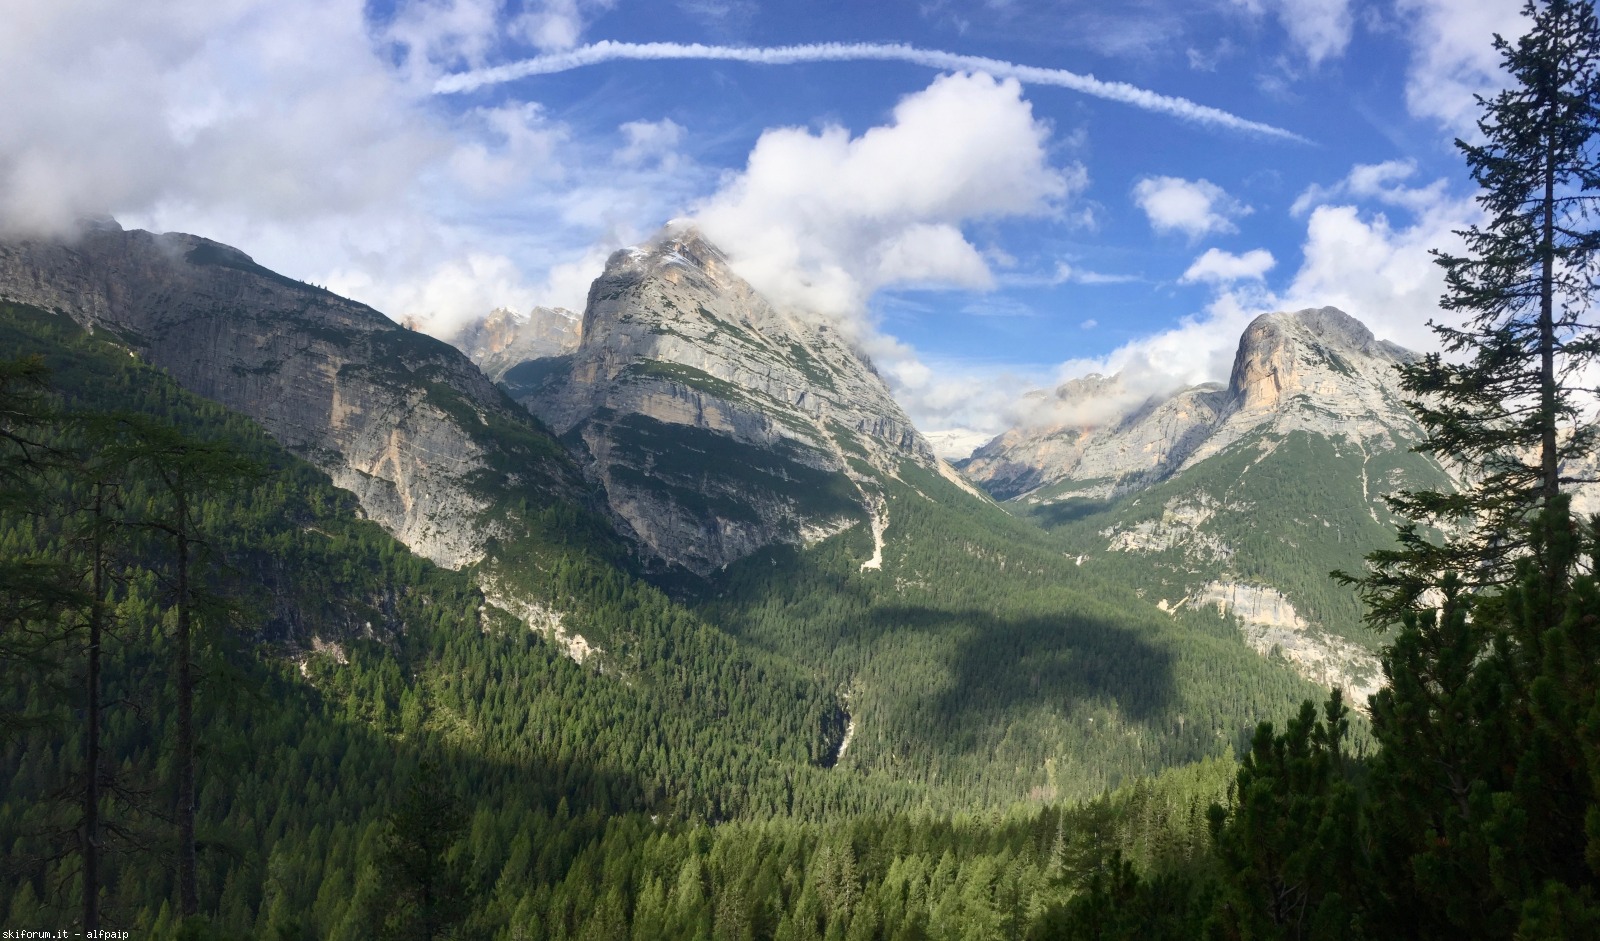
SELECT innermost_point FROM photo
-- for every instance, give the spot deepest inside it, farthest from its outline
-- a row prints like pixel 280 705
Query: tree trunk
pixel 91 746
pixel 1549 469
pixel 188 890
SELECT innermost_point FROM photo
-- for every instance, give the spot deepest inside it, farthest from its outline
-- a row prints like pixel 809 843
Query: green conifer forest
pixel 234 707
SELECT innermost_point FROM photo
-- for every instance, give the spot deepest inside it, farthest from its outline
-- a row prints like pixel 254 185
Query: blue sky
pixel 977 234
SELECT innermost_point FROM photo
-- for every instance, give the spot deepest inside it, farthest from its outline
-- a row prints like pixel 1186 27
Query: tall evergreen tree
pixel 1507 411
pixel 187 470
pixel 1485 791
pixel 96 615
pixel 38 586
pixel 423 892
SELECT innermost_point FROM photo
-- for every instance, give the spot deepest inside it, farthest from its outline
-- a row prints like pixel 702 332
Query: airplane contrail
pixel 608 51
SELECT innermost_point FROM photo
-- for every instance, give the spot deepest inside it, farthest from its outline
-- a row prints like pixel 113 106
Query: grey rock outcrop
pixel 404 421
pixel 716 423
pixel 1217 532
pixel 1317 370
pixel 506 338
pixel 1126 452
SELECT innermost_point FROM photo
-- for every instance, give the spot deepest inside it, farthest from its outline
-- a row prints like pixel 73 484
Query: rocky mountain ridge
pixel 1318 370
pixel 506 338
pixel 425 441
pixel 715 422
pixel 1239 498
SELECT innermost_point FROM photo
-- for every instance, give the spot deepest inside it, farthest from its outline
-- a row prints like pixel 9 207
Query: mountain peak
pixel 679 245
pixel 507 338
pixel 1311 351
pixel 716 423
pixel 1324 326
pixel 1319 370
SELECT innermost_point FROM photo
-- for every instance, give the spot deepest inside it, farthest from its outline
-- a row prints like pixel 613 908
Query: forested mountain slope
pixel 406 423
pixel 1240 498
pixel 937 657
pixel 348 662
pixel 980 656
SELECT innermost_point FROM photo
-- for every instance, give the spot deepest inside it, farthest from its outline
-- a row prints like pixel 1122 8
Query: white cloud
pixel 1319 29
pixel 1361 261
pixel 1452 57
pixel 1379 269
pixel 441 34
pixel 1219 267
pixel 255 105
pixel 1198 349
pixel 934 254
pixel 308 135
pixel 557 25
pixel 1384 182
pixel 650 142
pixel 1066 273
pixel 1379 272
pixel 510 144
pixel 959 404
pixel 567 284
pixel 821 220
pixel 1194 207
pixel 448 296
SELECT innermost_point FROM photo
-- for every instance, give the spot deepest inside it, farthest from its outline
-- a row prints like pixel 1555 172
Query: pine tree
pixel 38 586
pixel 1508 412
pixel 188 471
pixel 423 891
pixel 1485 793
pixel 1288 845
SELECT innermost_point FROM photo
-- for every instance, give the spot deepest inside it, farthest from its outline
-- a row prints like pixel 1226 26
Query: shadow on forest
pixel 1053 515
pixel 1001 663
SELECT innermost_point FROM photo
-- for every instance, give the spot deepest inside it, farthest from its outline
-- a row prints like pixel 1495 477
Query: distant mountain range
pixel 751 461
pixel 1243 496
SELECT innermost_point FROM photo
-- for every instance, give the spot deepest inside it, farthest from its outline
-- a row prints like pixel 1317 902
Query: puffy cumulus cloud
pixel 1198 349
pixel 1377 271
pixel 437 34
pixel 1383 182
pixel 820 220
pixel 252 104
pixel 306 133
pixel 957 405
pixel 557 25
pixel 448 296
pixel 1219 267
pixel 1377 268
pixel 1452 58
pixel 443 285
pixel 567 283
pixel 508 145
pixel 648 142
pixel 931 254
pixel 1319 29
pixel 1196 208
pixel 1355 257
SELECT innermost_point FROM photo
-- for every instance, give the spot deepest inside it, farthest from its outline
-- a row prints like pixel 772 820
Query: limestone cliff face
pixel 717 423
pixel 1317 370
pixel 1124 453
pixel 1240 498
pixel 506 338
pixel 403 421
